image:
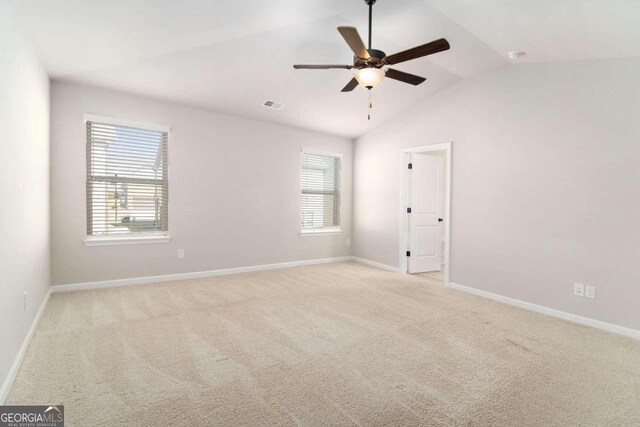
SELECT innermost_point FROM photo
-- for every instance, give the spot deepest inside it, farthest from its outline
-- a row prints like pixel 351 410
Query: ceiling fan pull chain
pixel 370 106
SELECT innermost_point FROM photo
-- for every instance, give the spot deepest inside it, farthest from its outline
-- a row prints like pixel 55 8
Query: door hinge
pixel 410 165
pixel 408 253
pixel 408 210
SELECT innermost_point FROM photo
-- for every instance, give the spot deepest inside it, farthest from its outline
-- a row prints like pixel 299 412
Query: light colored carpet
pixel 334 344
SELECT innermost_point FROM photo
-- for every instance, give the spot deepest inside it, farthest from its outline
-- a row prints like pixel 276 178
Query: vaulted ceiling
pixel 231 56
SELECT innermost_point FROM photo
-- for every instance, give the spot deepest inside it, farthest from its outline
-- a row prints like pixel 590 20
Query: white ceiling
pixel 231 56
pixel 551 30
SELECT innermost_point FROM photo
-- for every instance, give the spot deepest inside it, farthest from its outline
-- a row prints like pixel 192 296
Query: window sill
pixel 126 240
pixel 321 232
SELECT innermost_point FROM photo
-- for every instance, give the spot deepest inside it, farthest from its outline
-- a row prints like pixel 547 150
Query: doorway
pixel 426 211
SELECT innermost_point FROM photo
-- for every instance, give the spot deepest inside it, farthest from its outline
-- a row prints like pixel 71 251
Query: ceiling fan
pixel 369 63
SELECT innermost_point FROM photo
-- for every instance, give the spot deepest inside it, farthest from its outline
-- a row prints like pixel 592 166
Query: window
pixel 320 201
pixel 127 183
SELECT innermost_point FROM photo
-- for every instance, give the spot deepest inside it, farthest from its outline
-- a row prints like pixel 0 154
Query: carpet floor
pixel 333 344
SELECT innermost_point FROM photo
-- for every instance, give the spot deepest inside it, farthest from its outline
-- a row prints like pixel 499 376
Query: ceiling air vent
pixel 273 104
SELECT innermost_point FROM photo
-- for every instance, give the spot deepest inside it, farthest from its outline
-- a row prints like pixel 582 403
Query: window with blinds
pixel 320 192
pixel 127 184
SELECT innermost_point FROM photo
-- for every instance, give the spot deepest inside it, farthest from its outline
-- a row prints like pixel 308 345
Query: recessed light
pixel 273 104
pixel 515 54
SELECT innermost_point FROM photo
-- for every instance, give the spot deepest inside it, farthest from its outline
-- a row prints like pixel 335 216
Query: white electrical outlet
pixel 24 301
pixel 180 253
pixel 590 292
pixel 578 289
pixel 348 242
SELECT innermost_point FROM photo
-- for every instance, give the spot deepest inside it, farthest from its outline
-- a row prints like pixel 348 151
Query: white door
pixel 425 219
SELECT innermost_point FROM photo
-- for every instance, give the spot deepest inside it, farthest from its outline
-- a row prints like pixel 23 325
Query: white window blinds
pixel 127 184
pixel 320 191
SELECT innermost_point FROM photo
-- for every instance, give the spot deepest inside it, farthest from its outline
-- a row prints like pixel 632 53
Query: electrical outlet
pixel 578 289
pixel 348 242
pixel 180 253
pixel 590 292
pixel 24 301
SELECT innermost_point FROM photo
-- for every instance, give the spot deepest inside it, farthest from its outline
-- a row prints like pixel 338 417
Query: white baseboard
pixel 609 327
pixel 15 367
pixel 375 264
pixel 193 275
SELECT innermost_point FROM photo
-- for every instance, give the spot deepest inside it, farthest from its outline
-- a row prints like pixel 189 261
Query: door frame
pixel 404 199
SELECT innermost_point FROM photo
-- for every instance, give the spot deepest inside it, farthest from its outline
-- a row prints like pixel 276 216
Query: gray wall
pixel 24 188
pixel 234 190
pixel 546 183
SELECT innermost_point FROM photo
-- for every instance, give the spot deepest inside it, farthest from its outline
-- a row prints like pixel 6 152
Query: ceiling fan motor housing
pixel 376 57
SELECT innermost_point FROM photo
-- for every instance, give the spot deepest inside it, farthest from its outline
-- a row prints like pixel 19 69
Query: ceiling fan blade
pixel 412 79
pixel 321 66
pixel 351 36
pixel 350 86
pixel 418 52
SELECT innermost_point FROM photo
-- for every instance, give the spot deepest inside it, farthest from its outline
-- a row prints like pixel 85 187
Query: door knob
pixel 440 219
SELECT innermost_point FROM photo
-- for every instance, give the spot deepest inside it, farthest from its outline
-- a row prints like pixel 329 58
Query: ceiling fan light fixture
pixel 369 77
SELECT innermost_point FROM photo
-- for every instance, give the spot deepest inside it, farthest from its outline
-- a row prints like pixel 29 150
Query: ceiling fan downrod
pixel 370 3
